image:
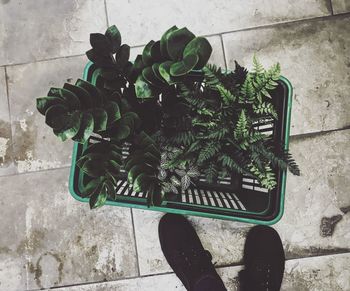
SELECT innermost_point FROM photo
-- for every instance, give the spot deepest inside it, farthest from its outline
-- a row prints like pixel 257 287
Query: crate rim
pixel 190 212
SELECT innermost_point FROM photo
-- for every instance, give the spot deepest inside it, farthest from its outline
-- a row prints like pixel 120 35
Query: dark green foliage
pixel 179 116
pixel 76 111
pixel 170 61
pixel 142 165
pixel 102 162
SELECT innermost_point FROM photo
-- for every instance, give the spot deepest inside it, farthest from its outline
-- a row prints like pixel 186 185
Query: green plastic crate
pixel 237 198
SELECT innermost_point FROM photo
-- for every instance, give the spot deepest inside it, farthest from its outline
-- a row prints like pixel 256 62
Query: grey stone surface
pixel 320 192
pixel 140 21
pixel 49 239
pixel 40 29
pixel 35 146
pixel 6 162
pixel 311 274
pixel 340 6
pixel 315 57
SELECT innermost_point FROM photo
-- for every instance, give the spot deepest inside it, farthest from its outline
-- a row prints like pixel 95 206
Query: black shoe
pixel 186 256
pixel 263 259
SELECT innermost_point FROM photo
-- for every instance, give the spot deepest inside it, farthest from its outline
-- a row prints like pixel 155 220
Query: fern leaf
pixel 211 172
pixel 265 108
pixel 241 129
pixel 208 152
pixel 258 68
pixel 247 91
pixel 227 97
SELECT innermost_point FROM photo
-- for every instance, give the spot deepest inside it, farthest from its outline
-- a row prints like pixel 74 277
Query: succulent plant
pixel 77 111
pixel 111 57
pixel 101 162
pixel 142 166
pixel 167 61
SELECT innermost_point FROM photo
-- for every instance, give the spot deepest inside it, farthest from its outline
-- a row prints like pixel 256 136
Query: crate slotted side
pixel 238 197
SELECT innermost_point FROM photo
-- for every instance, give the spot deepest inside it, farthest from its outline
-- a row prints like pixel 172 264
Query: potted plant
pixel 168 121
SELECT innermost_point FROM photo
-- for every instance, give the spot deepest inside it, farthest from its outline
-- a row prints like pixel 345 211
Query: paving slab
pixel 316 196
pixel 314 56
pixel 311 274
pixel 6 162
pixel 49 239
pixel 34 30
pixel 340 6
pixel 140 21
pixel 35 147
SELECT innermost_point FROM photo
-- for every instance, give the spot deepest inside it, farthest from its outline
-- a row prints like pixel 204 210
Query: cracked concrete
pixel 50 240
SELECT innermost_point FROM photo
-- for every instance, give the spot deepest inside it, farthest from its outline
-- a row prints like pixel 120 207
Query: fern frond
pixel 242 128
pixel 212 75
pixel 265 108
pixel 208 151
pixel 211 172
pixel 182 138
pixel 266 178
pixel 247 91
pixel 227 97
pixel 258 68
pixel 218 134
pixel 231 164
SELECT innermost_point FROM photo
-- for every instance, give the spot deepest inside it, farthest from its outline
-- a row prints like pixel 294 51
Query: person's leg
pixel 187 257
pixel 263 259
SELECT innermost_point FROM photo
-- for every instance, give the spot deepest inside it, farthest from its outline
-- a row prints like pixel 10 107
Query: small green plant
pixel 177 117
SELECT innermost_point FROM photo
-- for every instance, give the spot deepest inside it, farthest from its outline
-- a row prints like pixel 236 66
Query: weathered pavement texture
pixel 50 240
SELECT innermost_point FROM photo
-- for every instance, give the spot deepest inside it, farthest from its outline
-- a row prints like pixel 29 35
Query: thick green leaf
pixel 57 116
pixel 113 34
pixel 100 43
pixel 199 46
pixel 155 69
pixel 83 95
pixel 100 119
pixel 143 89
pixel 185 66
pixel 136 170
pixel 104 61
pixel 98 199
pixel 113 167
pixel 150 77
pixel 156 53
pixel 71 128
pixel 100 147
pixel 164 70
pixel 93 186
pixel 69 97
pixel 138 64
pixel 89 156
pixel 123 55
pixel 177 41
pixel 86 128
pixel 142 158
pixel 43 103
pixel 92 90
pixel 142 183
pixel 113 111
pixel 132 120
pixel 94 167
pixel 164 40
pixel 121 132
pixel 146 54
pixel 110 189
